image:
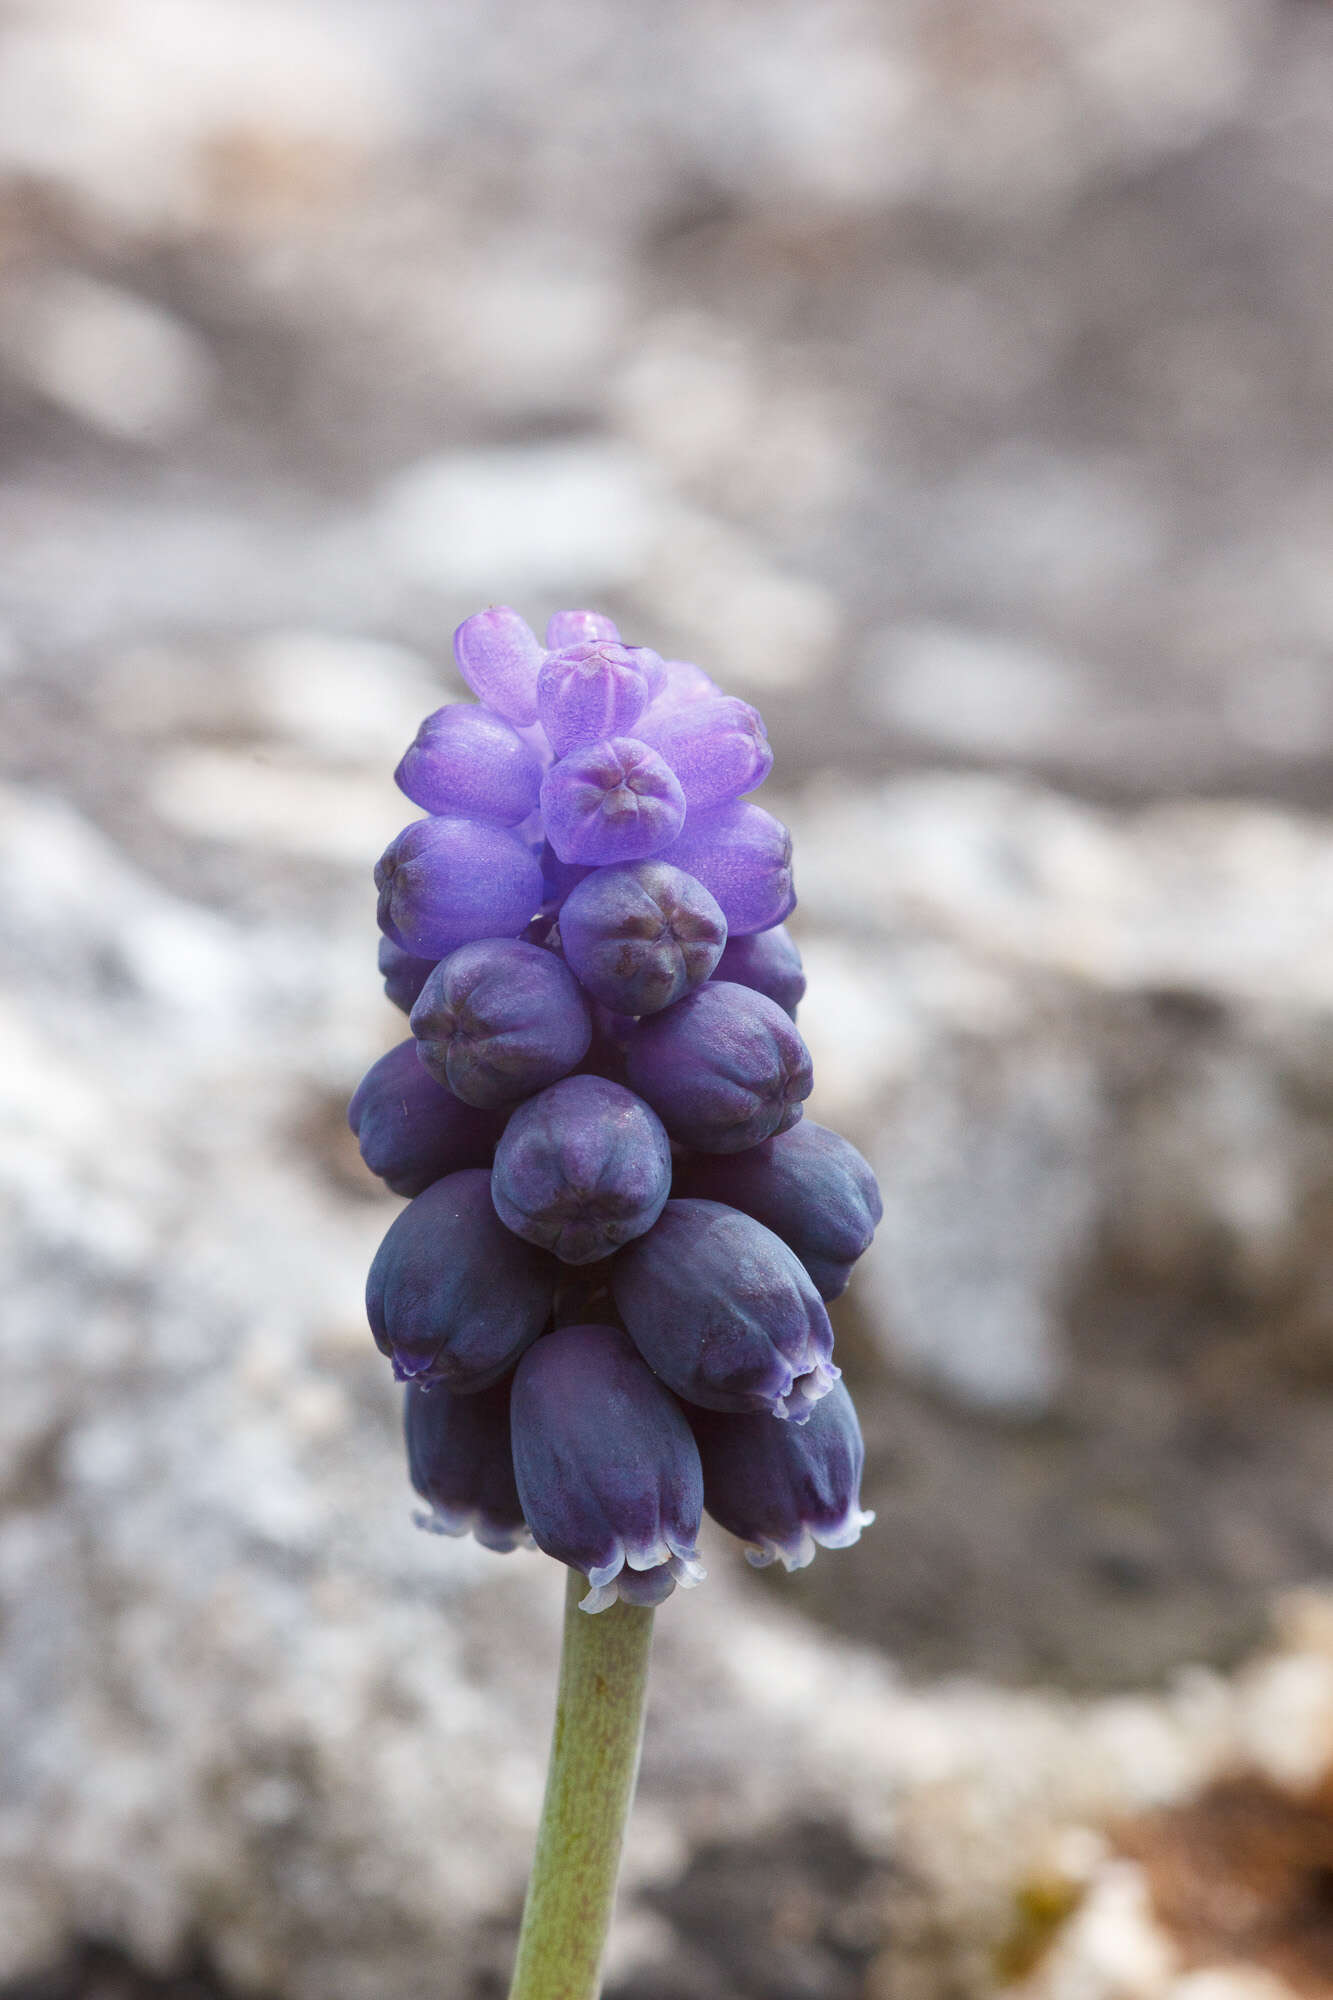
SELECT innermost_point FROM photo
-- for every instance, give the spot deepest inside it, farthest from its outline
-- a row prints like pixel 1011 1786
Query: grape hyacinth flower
pixel 497 1020
pixel 606 1297
pixel 607 1470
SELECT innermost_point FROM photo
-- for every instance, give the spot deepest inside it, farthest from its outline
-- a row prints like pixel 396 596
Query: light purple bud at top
pixel 682 683
pixel 785 1488
pixel 587 693
pixel 723 1069
pixel 461 1462
pixel 582 1168
pixel 612 801
pixel 498 656
pixel 717 748
pixel 404 976
pixel 468 761
pixel 651 665
pixel 742 855
pixel 453 1296
pixel 607 1471
pixel 443 882
pixel 640 936
pixel 411 1130
pixel 579 628
pixel 724 1313
pixel 768 961
pixel 499 1019
pixel 809 1186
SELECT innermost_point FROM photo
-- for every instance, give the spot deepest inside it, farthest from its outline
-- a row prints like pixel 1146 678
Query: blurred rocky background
pixel 957 382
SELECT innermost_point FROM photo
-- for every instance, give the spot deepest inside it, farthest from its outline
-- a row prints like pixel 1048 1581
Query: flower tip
pixel 803 1548
pixel 798 1402
pixel 456 1522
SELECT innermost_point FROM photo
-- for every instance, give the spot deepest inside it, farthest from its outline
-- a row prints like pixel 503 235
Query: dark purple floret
pixel 589 692
pixel 460 1460
pixel 500 1019
pixel 444 882
pixel 611 801
pixel 809 1186
pixel 411 1130
pixel 717 747
pixel 742 855
pixel 499 657
pixel 404 976
pixel 723 1311
pixel 723 1069
pixel 785 1488
pixel 582 1168
pixel 453 1296
pixel 559 877
pixel 768 961
pixel 607 1471
pixel 469 762
pixel 641 936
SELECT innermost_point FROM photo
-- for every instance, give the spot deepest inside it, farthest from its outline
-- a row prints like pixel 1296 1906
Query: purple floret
pixel 810 1186
pixel 723 1311
pixel 499 657
pixel 579 628
pixel 607 1471
pixel 769 962
pixel 461 1462
pixel 582 1168
pixel 723 1069
pixel 742 855
pixel 444 882
pixel 403 975
pixel 469 762
pixel 611 801
pixel 499 1019
pixel 453 1297
pixel 641 936
pixel 411 1130
pixel 717 747
pixel 785 1488
pixel 587 693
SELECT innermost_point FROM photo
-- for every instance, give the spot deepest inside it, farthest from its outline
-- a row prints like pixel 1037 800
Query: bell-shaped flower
pixel 460 1461
pixel 444 882
pixel 724 1068
pixel 641 936
pixel 411 1130
pixel 453 1297
pixel 582 1168
pixel 499 1019
pixel 724 1312
pixel 784 1488
pixel 607 1470
pixel 809 1186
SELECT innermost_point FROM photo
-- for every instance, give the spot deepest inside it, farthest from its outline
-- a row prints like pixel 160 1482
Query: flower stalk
pixel 589 1790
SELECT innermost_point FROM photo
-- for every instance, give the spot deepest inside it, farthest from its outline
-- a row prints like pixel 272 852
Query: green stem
pixel 589 1790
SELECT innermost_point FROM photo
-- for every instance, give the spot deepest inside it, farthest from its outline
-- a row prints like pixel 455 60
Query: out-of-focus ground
pixel 955 382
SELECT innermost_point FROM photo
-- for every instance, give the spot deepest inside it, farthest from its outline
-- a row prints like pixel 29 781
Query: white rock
pixel 117 362
pixel 572 517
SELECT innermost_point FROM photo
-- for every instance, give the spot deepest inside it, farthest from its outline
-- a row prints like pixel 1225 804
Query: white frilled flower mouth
pixel 804 1391
pixel 459 1521
pixel 796 1553
pixel 669 1553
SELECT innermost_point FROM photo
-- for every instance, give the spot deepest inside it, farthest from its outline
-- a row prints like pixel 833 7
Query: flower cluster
pixel 607 1294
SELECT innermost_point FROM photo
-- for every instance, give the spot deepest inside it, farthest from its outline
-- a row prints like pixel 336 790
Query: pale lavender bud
pixel 498 656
